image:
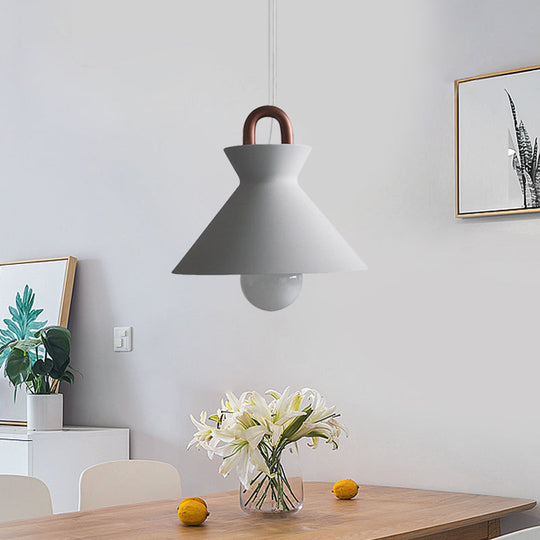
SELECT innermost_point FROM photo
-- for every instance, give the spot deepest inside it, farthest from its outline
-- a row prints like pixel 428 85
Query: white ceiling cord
pixel 272 58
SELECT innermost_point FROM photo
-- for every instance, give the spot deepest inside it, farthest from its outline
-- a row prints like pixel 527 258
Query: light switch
pixel 123 339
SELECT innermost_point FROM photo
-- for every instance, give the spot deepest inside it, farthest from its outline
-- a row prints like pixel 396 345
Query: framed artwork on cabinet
pixel 33 294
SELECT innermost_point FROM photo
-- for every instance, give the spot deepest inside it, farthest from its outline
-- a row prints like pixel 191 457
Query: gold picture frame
pixel 458 84
pixel 68 279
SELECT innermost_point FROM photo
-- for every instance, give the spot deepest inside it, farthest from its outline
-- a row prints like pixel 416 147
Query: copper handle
pixel 264 112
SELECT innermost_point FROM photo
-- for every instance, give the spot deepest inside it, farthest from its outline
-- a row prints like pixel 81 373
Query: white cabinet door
pixel 15 457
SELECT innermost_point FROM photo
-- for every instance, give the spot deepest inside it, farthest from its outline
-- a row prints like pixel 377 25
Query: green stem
pixel 287 482
pixel 263 496
pixel 256 491
pixel 282 495
pixel 275 486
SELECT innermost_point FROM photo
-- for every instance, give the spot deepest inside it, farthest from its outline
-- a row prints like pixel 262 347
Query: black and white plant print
pixel 526 162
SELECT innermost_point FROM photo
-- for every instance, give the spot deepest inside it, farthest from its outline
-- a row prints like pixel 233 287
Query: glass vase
pixel 280 493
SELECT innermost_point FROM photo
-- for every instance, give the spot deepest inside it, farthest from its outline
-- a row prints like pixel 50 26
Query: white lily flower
pixel 251 432
pixel 258 409
pixel 244 454
pixel 276 430
pixel 338 427
pixel 233 403
pixel 204 437
pixel 239 458
pixel 283 409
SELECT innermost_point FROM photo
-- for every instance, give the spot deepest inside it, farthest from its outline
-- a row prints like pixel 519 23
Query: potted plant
pixel 40 364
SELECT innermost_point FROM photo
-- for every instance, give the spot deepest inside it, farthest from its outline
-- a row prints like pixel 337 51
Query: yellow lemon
pixel 202 501
pixel 192 512
pixel 345 489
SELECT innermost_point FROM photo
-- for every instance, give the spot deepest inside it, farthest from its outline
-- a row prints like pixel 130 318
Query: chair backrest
pixel 23 497
pixel 526 534
pixel 116 483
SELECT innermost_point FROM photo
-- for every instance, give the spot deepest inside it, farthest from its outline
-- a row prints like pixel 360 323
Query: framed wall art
pixel 33 294
pixel 497 130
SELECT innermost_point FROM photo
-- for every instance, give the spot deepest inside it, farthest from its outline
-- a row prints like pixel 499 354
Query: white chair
pixel 526 534
pixel 23 497
pixel 116 483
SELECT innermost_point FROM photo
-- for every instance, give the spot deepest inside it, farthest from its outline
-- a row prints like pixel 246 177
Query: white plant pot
pixel 44 412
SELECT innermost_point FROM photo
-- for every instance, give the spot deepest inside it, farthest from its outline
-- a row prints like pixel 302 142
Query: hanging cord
pixel 272 58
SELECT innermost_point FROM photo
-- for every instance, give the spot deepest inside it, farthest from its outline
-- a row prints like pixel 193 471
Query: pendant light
pixel 269 231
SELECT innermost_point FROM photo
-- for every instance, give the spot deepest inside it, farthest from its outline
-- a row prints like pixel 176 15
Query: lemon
pixel 345 489
pixel 202 501
pixel 192 512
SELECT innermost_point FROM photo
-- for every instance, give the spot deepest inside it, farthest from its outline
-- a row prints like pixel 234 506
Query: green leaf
pixel 7 345
pixel 34 314
pixel 295 425
pixel 67 377
pixel 27 344
pixel 12 326
pixel 56 340
pixel 17 367
pixel 19 302
pixel 42 367
pixel 76 371
pixel 33 326
pixel 27 295
pixel 23 322
pixel 316 433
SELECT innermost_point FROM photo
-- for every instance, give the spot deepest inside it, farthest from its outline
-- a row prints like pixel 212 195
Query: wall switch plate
pixel 123 339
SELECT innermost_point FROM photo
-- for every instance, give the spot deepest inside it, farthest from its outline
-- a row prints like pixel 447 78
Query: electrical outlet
pixel 123 339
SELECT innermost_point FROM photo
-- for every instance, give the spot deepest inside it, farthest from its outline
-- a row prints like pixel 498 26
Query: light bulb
pixel 271 291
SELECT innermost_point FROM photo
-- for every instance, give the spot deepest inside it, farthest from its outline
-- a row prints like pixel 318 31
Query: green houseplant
pixel 39 364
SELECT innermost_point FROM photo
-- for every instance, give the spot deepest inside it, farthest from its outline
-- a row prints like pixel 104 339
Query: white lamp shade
pixel 269 225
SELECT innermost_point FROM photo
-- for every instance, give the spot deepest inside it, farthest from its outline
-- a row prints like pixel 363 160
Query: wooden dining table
pixel 376 513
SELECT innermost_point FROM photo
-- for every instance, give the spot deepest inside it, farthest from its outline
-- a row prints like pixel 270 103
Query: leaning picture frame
pixel 33 294
pixel 497 143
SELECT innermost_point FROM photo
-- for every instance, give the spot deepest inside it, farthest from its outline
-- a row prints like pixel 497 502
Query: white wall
pixel 112 120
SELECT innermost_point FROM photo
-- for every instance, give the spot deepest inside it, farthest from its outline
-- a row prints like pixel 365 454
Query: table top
pixel 376 513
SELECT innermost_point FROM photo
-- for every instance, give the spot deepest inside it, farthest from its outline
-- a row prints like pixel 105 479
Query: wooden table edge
pixel 472 521
pixel 521 505
pixel 528 504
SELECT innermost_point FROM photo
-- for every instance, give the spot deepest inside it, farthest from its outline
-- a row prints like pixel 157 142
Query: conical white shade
pixel 269 225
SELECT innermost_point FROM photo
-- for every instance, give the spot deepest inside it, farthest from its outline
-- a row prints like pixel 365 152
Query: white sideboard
pixel 59 457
